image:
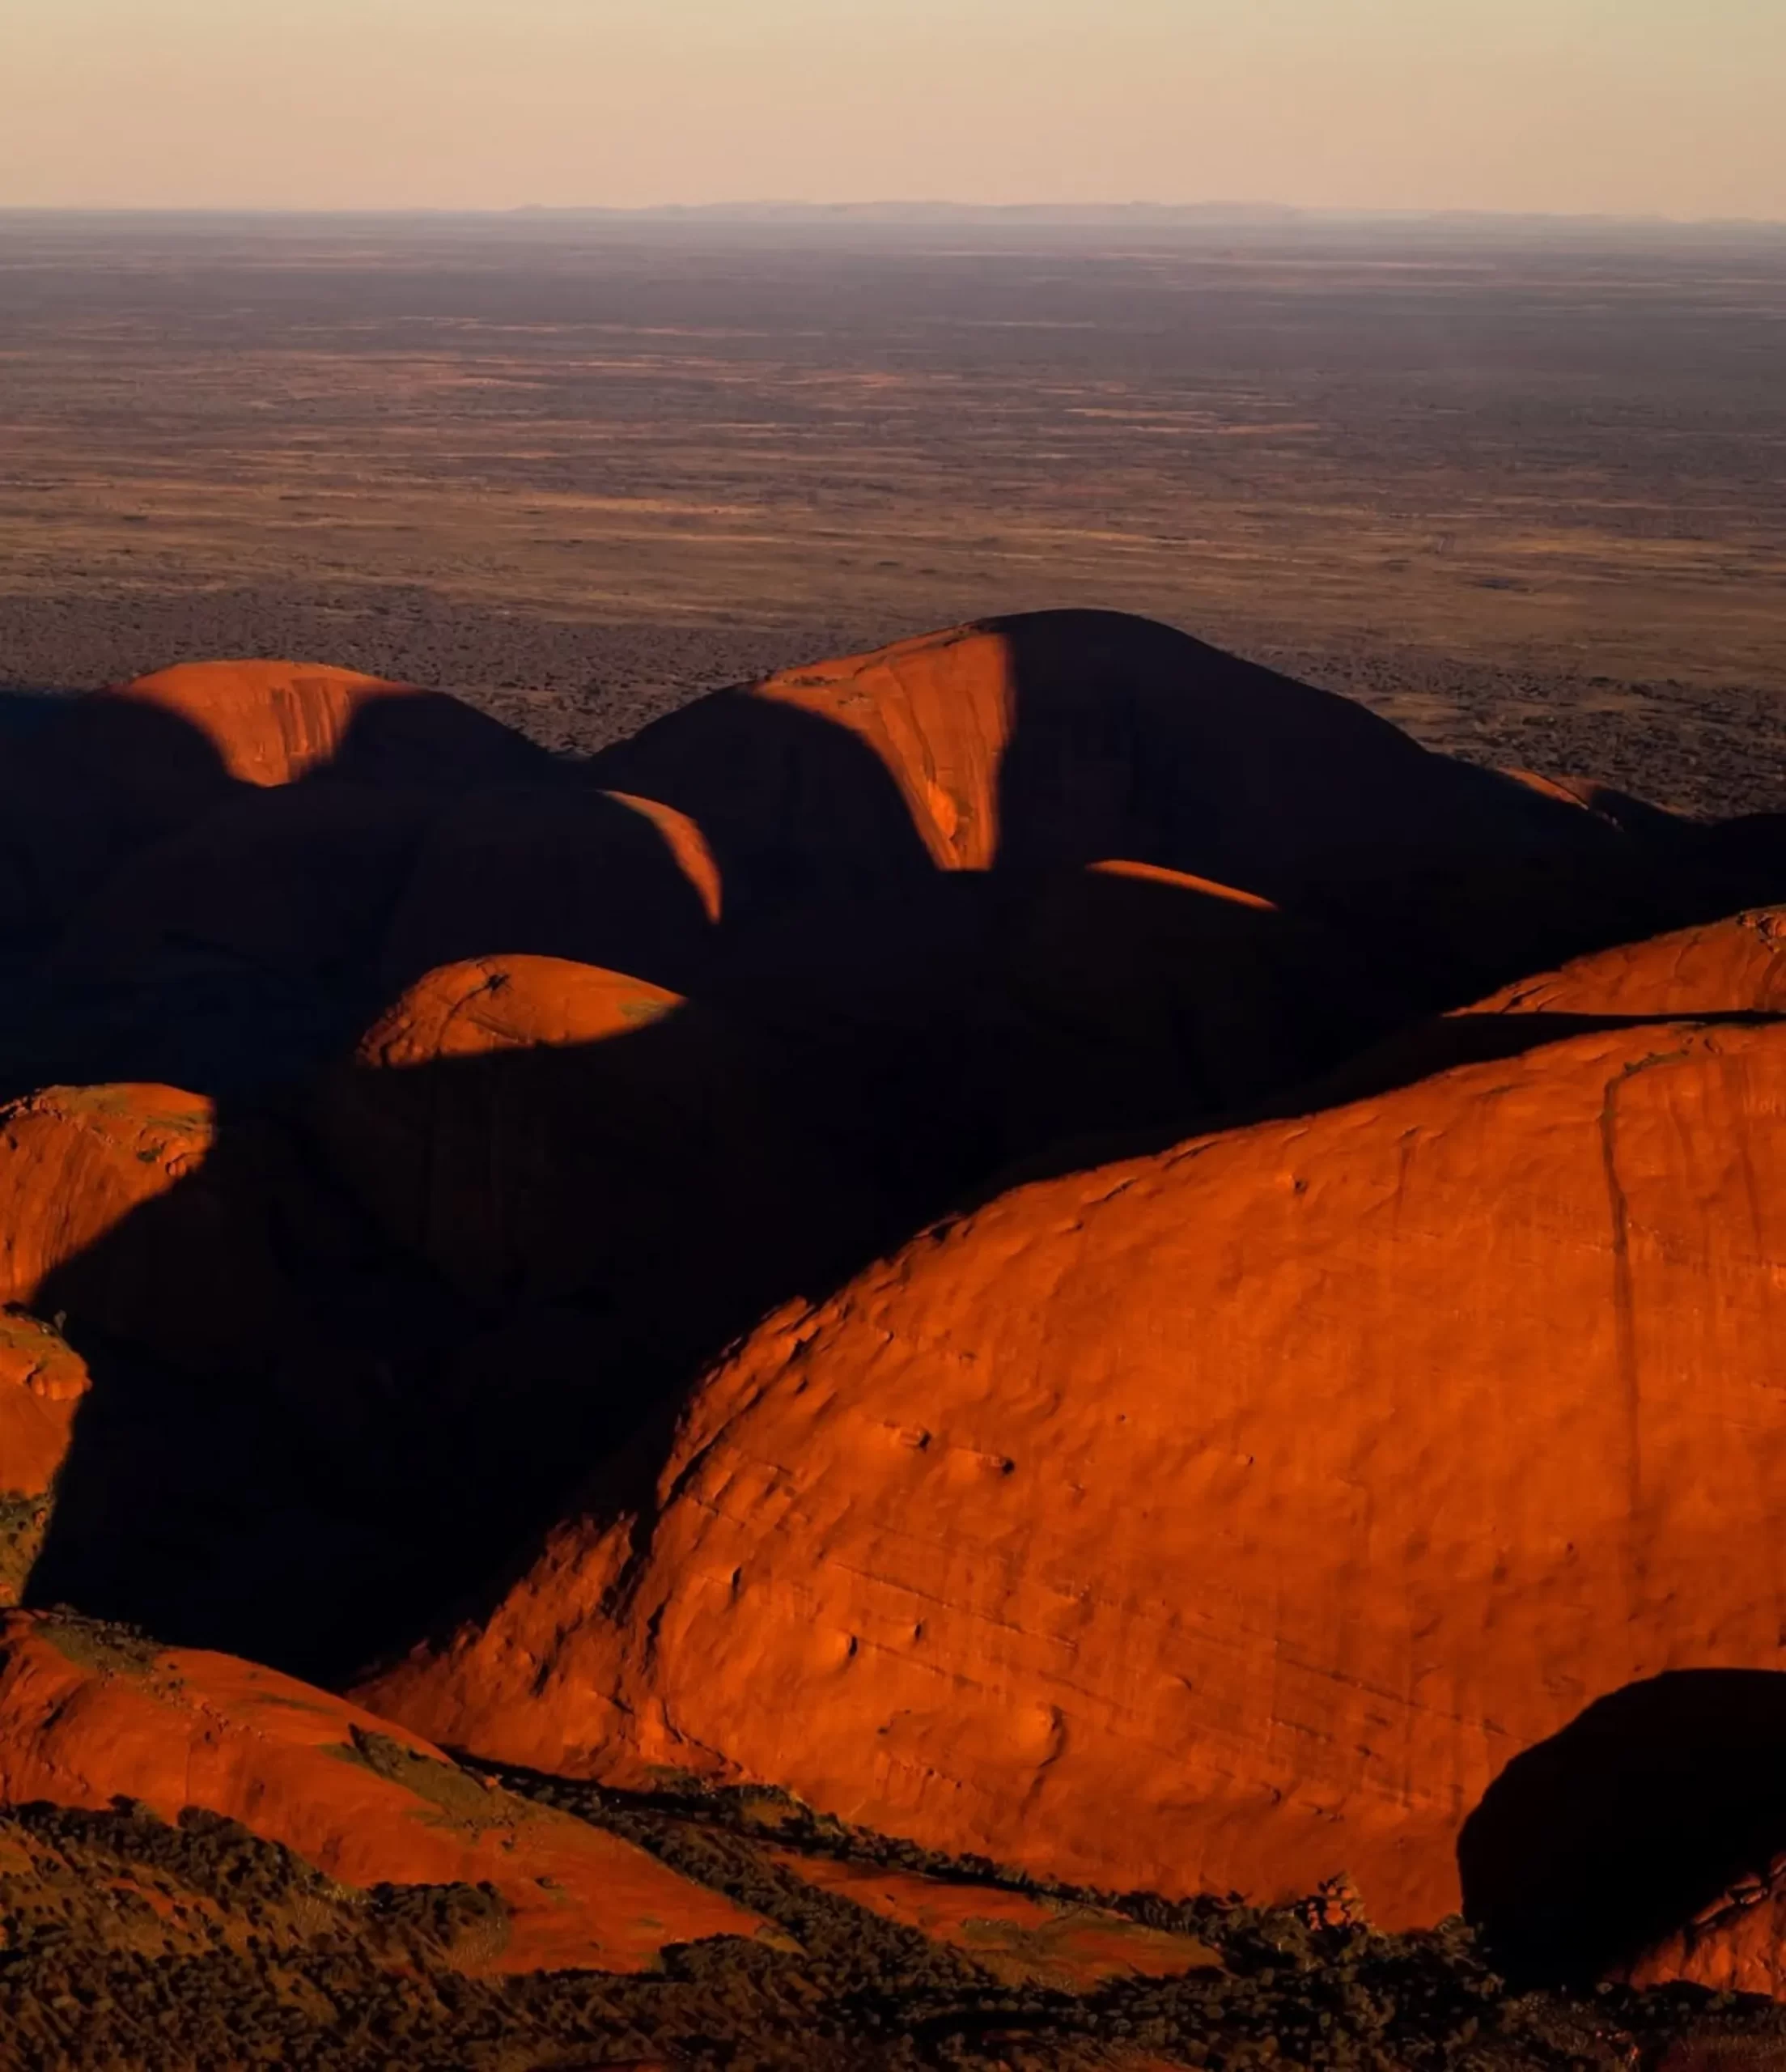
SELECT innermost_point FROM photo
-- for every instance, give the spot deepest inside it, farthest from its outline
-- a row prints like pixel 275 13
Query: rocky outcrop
pixel 88 1712
pixel 268 722
pixel 1060 738
pixel 76 1161
pixel 1732 966
pixel 555 870
pixel 42 1383
pixel 1226 1517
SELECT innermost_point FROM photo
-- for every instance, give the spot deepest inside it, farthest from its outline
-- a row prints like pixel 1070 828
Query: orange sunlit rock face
pixel 1734 966
pixel 937 712
pixel 1228 1517
pixel 1734 1944
pixel 43 1381
pixel 1058 738
pixel 76 1161
pixel 86 1713
pixel 486 1101
pixel 1021 1939
pixel 509 1003
pixel 269 722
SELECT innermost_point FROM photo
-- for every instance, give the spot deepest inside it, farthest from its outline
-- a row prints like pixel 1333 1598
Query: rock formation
pixel 42 1381
pixel 86 1713
pixel 997 1235
pixel 1276 1489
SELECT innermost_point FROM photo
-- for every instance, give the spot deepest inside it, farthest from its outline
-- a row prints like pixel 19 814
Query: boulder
pixel 89 1712
pixel 1229 1517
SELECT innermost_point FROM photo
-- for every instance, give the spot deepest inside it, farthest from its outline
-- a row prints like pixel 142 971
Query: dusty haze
pixel 1624 106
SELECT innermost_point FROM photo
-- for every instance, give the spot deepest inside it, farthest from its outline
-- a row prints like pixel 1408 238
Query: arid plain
pixel 1521 488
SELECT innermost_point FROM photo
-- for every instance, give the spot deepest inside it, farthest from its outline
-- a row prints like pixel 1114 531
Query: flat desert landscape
pixel 1520 488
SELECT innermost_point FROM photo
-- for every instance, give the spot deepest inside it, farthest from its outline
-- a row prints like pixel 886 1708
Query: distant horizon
pixel 1635 109
pixel 917 213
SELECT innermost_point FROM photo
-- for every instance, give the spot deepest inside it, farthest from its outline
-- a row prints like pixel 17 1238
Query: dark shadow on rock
pixel 795 810
pixel 350 1368
pixel 1129 738
pixel 547 868
pixel 1590 1846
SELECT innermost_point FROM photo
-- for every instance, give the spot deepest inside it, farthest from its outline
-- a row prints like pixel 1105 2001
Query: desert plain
pixel 1520 486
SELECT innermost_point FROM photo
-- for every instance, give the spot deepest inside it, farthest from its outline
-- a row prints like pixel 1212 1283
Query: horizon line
pixel 916 213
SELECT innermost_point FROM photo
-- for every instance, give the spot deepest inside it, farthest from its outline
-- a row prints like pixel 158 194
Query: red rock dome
pixel 269 722
pixel 1229 1517
pixel 87 1713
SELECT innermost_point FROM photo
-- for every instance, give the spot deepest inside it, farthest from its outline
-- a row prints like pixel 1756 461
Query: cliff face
pixel 1227 1517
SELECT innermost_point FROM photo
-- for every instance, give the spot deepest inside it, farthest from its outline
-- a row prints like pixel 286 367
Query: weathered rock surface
pixel 76 1161
pixel 1228 1517
pixel 269 722
pixel 490 1004
pixel 1060 738
pixel 1736 1943
pixel 88 1713
pixel 1021 1939
pixel 1734 966
pixel 42 1382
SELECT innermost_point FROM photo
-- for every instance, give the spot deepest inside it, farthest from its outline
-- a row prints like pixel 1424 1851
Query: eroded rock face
pixel 1229 1517
pixel 42 1383
pixel 269 722
pixel 76 1161
pixel 1736 1943
pixel 1734 966
pixel 491 1004
pixel 1059 738
pixel 88 1712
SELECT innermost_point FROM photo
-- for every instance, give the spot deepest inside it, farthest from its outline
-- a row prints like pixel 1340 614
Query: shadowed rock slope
pixel 996 1235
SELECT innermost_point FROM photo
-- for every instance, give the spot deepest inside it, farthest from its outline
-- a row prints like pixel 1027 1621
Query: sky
pixel 1630 107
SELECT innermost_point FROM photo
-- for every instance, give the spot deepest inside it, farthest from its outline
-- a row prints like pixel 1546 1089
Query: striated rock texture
pixel 1227 1517
pixel 269 722
pixel 88 1712
pixel 1060 738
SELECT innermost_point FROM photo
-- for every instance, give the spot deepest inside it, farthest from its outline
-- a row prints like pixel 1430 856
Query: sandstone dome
pixel 87 1713
pixel 1061 738
pixel 1228 1517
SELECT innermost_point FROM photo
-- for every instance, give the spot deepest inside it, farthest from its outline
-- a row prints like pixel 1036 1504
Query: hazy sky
pixel 1672 106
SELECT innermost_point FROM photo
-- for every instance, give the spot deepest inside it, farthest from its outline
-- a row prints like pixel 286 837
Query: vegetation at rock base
pixel 127 1941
